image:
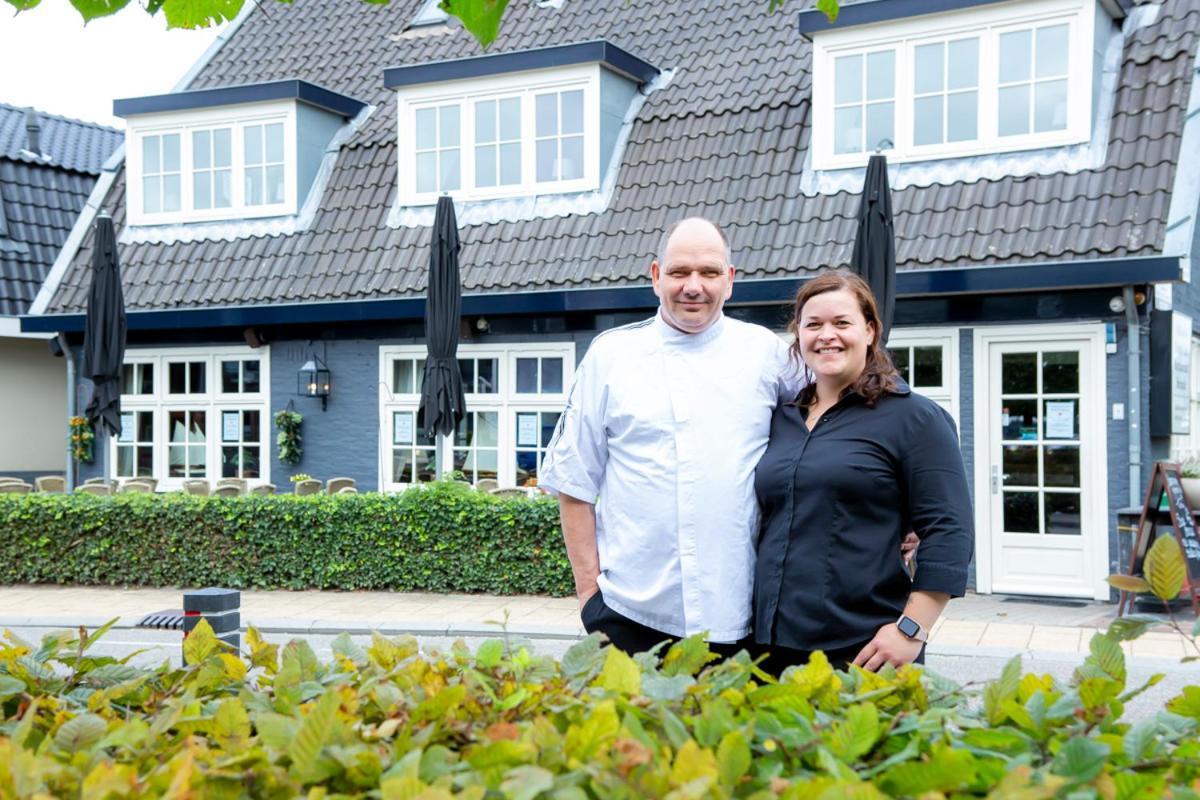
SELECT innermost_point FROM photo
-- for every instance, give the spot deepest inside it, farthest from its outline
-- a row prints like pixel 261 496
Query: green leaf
pixel 489 654
pixel 526 782
pixel 93 9
pixel 231 724
pixel 276 731
pixel 1108 656
pixel 1080 759
pixel 1140 740
pixel 1186 704
pixel 80 733
pixel 583 659
pixel 481 18
pixel 10 686
pixel 856 734
pixel 200 13
pixel 112 675
pixel 200 643
pixel 598 729
pixel 23 5
pixel 620 673
pixel 97 634
pixel 313 733
pixel 733 757
pixel 688 656
pixel 1128 583
pixel 1001 690
pixel 1139 786
pixel 829 8
pixel 301 653
pixel 945 771
pixel 344 646
pixel 666 689
pixel 1164 567
pixel 1125 628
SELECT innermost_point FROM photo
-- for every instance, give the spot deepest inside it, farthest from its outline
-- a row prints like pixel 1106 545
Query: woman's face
pixel 833 337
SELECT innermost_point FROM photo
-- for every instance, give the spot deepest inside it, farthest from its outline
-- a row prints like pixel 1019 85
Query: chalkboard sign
pixel 1165 479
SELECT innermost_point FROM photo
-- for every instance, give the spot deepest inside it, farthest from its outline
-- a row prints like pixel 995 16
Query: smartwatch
pixel 912 629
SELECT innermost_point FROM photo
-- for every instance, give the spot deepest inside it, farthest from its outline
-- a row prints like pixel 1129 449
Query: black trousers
pixel 634 637
pixel 780 658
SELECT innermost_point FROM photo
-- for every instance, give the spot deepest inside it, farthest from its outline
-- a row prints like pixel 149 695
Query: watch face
pixel 908 627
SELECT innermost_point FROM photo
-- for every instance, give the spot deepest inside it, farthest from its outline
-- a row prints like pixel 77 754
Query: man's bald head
pixel 692 226
pixel 692 274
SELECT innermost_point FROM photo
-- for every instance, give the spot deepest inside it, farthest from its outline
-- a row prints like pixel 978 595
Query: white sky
pixel 49 60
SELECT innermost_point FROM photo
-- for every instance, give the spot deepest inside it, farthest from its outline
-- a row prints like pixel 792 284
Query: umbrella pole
pixel 69 355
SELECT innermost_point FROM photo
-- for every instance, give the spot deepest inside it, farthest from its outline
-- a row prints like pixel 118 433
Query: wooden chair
pixel 196 486
pixel 264 489
pixel 7 479
pixel 16 488
pixel 487 484
pixel 240 483
pixel 509 491
pixel 310 486
pixel 91 481
pixel 135 487
pixel 347 490
pixel 98 489
pixel 228 490
pixel 335 485
pixel 51 484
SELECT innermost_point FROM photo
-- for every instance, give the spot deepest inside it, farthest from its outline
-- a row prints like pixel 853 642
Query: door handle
pixel 995 479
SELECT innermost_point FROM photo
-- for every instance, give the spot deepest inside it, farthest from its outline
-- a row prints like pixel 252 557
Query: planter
pixel 1191 492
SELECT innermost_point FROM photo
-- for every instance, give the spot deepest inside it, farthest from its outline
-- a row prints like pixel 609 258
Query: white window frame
pixel 212 401
pixel 185 123
pixel 987 23
pixel 506 403
pixel 945 395
pixel 525 85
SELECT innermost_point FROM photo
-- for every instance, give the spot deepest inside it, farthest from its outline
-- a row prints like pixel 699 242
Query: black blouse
pixel 836 503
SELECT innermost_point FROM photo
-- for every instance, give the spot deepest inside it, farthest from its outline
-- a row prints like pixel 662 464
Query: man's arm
pixel 579 533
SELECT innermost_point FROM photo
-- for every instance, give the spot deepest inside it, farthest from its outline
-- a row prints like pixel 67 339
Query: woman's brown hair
pixel 879 376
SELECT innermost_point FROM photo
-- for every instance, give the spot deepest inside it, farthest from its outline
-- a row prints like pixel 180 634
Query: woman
pixel 852 465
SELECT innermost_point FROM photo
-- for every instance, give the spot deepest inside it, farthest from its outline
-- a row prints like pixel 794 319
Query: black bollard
pixel 222 609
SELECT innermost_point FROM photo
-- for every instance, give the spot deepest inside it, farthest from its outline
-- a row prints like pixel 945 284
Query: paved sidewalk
pixel 973 625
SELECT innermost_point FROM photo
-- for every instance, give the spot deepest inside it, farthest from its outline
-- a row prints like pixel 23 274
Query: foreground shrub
pixel 388 722
pixel 444 538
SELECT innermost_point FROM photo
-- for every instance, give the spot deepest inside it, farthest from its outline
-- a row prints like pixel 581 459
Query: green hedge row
pixel 442 538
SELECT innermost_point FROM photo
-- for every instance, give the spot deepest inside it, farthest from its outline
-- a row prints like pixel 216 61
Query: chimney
pixel 33 131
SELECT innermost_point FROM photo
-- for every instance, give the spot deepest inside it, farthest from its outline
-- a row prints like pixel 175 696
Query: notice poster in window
pixel 1060 419
pixel 527 430
pixel 402 428
pixel 230 429
pixel 126 434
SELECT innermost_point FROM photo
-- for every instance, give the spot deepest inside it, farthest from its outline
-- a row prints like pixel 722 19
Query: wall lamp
pixel 313 380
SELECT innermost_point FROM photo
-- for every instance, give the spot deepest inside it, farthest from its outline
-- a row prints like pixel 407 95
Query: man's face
pixel 693 281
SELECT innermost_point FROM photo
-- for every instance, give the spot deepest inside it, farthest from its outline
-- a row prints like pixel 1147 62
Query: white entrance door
pixel 1041 458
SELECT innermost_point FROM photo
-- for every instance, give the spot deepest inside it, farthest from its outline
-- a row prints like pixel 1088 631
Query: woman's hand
pixel 908 547
pixel 889 646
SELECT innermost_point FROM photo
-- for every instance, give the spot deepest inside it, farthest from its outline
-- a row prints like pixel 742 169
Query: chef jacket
pixel 662 431
pixel 836 503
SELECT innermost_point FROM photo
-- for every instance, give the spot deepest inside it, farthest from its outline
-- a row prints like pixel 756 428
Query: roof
pixel 726 138
pixel 303 91
pixel 41 196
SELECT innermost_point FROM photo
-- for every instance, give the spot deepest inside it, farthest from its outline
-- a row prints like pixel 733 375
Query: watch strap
pixel 921 635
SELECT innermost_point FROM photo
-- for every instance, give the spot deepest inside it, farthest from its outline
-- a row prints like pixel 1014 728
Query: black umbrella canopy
pixel 442 402
pixel 874 257
pixel 104 330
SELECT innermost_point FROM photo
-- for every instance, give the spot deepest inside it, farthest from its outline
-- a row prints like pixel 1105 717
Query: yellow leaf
pixel 693 762
pixel 1128 583
pixel 620 673
pixel 1164 568
pixel 107 779
pixel 404 788
pixel 235 668
pixel 200 643
pixel 181 779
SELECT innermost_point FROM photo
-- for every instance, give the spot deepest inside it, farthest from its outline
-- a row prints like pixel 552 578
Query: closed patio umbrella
pixel 104 330
pixel 442 401
pixel 874 256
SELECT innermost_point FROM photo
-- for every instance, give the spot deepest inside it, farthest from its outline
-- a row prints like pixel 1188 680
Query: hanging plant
pixel 82 440
pixel 288 422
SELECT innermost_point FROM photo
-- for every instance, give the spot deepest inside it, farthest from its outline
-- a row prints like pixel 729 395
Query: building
pixel 48 167
pixel 277 210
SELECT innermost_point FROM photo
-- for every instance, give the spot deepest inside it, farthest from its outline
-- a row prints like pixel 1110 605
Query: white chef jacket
pixel 662 431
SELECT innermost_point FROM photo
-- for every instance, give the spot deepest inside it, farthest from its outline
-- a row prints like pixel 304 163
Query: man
pixel 653 459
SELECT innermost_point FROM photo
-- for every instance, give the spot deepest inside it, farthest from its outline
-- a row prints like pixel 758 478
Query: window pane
pixel 1052 47
pixel 1060 372
pixel 427 172
pixel 253 146
pixel 900 359
pixel 196 374
pixel 275 184
pixel 151 195
pixel 929 68
pixel 848 79
pixel 847 130
pixel 572 158
pixel 202 190
pixel 1020 512
pixel 128 429
pixel 485 165
pixel 1019 420
pixel 487 434
pixel 510 164
pixel 229 462
pixel 488 369
pixel 1062 513
pixel 223 185
pixel 963 64
pixel 229 376
pixel 485 121
pixel 222 147
pixel 426 126
pixel 127 378
pixel 1015 56
pixel 527 382
pixel 275 142
pixel 547 154
pixel 196 429
pixel 170 193
pixel 549 423
pixel 254 186
pixel 402 376
pixel 546 109
pixel 146 374
pixel 145 461
pixel 419 377
pixel 151 157
pixel 201 150
pixel 572 111
pixel 552 375
pixel 448 164
pixel 1061 466
pixel 448 126
pixel 177 378
pixel 145 426
pixel 125 461
pixel 1050 106
pixel 510 118
pixel 250 426
pixel 170 152
pixel 1020 465
pixel 465 431
pixel 881 75
pixel 962 115
pixel 250 462
pixel 927 120
pixel 1061 419
pixel 250 376
pixel 466 370
pixel 927 369
pixel 879 124
pixel 1018 373
pixel 1014 110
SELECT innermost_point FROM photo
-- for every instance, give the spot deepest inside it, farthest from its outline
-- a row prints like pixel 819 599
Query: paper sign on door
pixel 1060 419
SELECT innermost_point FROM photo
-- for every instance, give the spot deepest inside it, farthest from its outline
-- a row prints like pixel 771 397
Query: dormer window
pixel 430 14
pixel 234 153
pixel 514 124
pixel 986 79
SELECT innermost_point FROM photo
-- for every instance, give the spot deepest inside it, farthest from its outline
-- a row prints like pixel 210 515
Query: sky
pixel 49 60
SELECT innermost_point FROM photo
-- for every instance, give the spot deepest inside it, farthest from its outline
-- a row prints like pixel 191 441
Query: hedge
pixel 387 721
pixel 442 538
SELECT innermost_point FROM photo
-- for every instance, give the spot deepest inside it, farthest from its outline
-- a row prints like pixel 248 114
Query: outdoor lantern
pixel 313 380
